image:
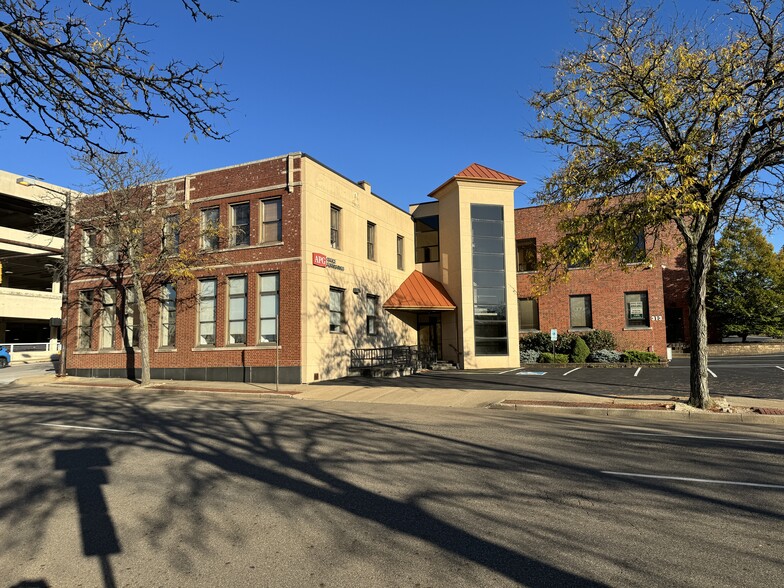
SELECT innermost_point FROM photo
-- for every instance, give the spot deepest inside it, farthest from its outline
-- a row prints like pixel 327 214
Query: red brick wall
pixel 606 286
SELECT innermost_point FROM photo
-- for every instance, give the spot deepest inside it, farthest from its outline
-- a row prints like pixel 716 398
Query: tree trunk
pixel 698 257
pixel 144 329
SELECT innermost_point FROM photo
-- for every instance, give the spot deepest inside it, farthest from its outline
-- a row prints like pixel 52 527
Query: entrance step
pixel 443 365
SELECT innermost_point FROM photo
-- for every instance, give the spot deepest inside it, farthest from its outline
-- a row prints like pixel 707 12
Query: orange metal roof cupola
pixel 481 173
pixel 418 292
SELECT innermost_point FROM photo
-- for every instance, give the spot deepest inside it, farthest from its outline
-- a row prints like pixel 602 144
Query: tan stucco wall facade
pixel 326 355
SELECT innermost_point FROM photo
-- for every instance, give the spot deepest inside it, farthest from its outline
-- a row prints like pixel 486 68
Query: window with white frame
pixel 171 234
pixel 238 310
pixel 371 241
pixel 89 245
pixel 108 317
pixel 269 307
pixel 271 220
pixel 400 259
pixel 336 310
pixel 371 319
pixel 207 311
pixel 168 316
pixel 240 224
pixel 132 317
pixel 210 225
pixel 85 320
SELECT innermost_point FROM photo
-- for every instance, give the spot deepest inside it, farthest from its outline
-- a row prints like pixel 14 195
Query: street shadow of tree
pixel 303 461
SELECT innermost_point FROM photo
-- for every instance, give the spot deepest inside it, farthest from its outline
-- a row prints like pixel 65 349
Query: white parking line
pixel 570 371
pixel 698 480
pixel 781 368
pixel 507 371
pixel 712 374
pixel 637 372
pixel 706 437
pixel 87 428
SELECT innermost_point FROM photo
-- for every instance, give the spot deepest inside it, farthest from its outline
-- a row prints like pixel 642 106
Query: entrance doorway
pixel 429 332
pixel 674 321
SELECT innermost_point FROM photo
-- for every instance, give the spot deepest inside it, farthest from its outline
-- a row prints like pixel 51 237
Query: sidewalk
pixel 734 408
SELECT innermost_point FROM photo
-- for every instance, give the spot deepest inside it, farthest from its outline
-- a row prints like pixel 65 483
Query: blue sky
pixel 402 94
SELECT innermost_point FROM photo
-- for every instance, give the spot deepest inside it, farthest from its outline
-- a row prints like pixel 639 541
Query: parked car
pixel 5 357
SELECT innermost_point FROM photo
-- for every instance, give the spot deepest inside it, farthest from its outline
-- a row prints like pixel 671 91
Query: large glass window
pixel 528 309
pixel 269 307
pixel 169 316
pixel 489 274
pixel 207 311
pixel 210 226
pixel 240 224
pixel 400 259
pixel 85 319
pixel 238 310
pixel 108 318
pixel 371 319
pixel 132 317
pixel 335 310
pixel 271 221
pixel 426 239
pixel 371 241
pixel 636 304
pixel 526 255
pixel 171 234
pixel 580 312
pixel 334 226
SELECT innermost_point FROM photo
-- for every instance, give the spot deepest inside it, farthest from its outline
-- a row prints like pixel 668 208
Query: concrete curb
pixel 654 414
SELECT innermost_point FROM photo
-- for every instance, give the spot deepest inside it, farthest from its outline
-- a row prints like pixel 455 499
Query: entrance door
pixel 429 330
pixel 674 319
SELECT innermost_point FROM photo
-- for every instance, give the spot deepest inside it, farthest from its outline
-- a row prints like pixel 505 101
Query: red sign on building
pixel 319 259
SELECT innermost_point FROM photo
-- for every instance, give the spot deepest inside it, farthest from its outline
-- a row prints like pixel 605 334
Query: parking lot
pixel 759 376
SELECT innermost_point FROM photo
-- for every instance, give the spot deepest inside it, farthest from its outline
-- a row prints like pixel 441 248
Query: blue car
pixel 5 357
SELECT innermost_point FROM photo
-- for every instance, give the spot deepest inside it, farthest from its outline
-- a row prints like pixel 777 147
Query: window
pixel 526 255
pixel 371 321
pixel 85 319
pixel 238 310
pixel 89 244
pixel 131 317
pixel 271 224
pixel 335 310
pixel 207 311
pixel 334 226
pixel 635 251
pixel 577 253
pixel 426 239
pixel 636 304
pixel 371 241
pixel 210 223
pixel 240 224
pixel 111 246
pixel 169 316
pixel 400 259
pixel 269 307
pixel 528 309
pixel 171 234
pixel 489 279
pixel 108 318
pixel 580 312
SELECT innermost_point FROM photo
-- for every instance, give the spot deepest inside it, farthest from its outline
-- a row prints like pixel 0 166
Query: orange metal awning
pixel 418 292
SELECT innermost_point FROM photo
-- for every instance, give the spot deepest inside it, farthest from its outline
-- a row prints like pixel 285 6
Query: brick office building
pixel 325 266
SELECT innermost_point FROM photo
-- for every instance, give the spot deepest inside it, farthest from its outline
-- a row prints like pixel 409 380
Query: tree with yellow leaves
pixel 656 126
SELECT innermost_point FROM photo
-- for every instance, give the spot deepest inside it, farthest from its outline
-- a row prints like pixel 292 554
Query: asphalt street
pixel 759 376
pixel 149 489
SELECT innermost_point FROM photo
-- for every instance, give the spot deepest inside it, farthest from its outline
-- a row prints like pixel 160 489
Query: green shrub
pixel 550 358
pixel 580 351
pixel 604 356
pixel 565 343
pixel 529 356
pixel 634 356
pixel 599 339
pixel 536 342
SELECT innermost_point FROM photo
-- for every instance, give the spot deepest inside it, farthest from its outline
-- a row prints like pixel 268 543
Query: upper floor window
pixel 271 221
pixel 580 315
pixel 238 310
pixel 171 234
pixel 207 311
pixel 371 241
pixel 335 310
pixel 334 226
pixel 400 245
pixel 371 318
pixel 426 239
pixel 636 304
pixel 635 251
pixel 210 224
pixel 577 254
pixel 89 245
pixel 526 255
pixel 240 224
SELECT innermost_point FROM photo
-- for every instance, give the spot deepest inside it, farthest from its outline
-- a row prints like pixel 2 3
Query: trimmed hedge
pixel 634 356
pixel 580 351
pixel 605 356
pixel 536 341
pixel 529 356
pixel 599 339
pixel 550 358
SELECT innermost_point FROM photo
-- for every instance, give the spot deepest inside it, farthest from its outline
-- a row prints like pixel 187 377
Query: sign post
pixel 553 338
